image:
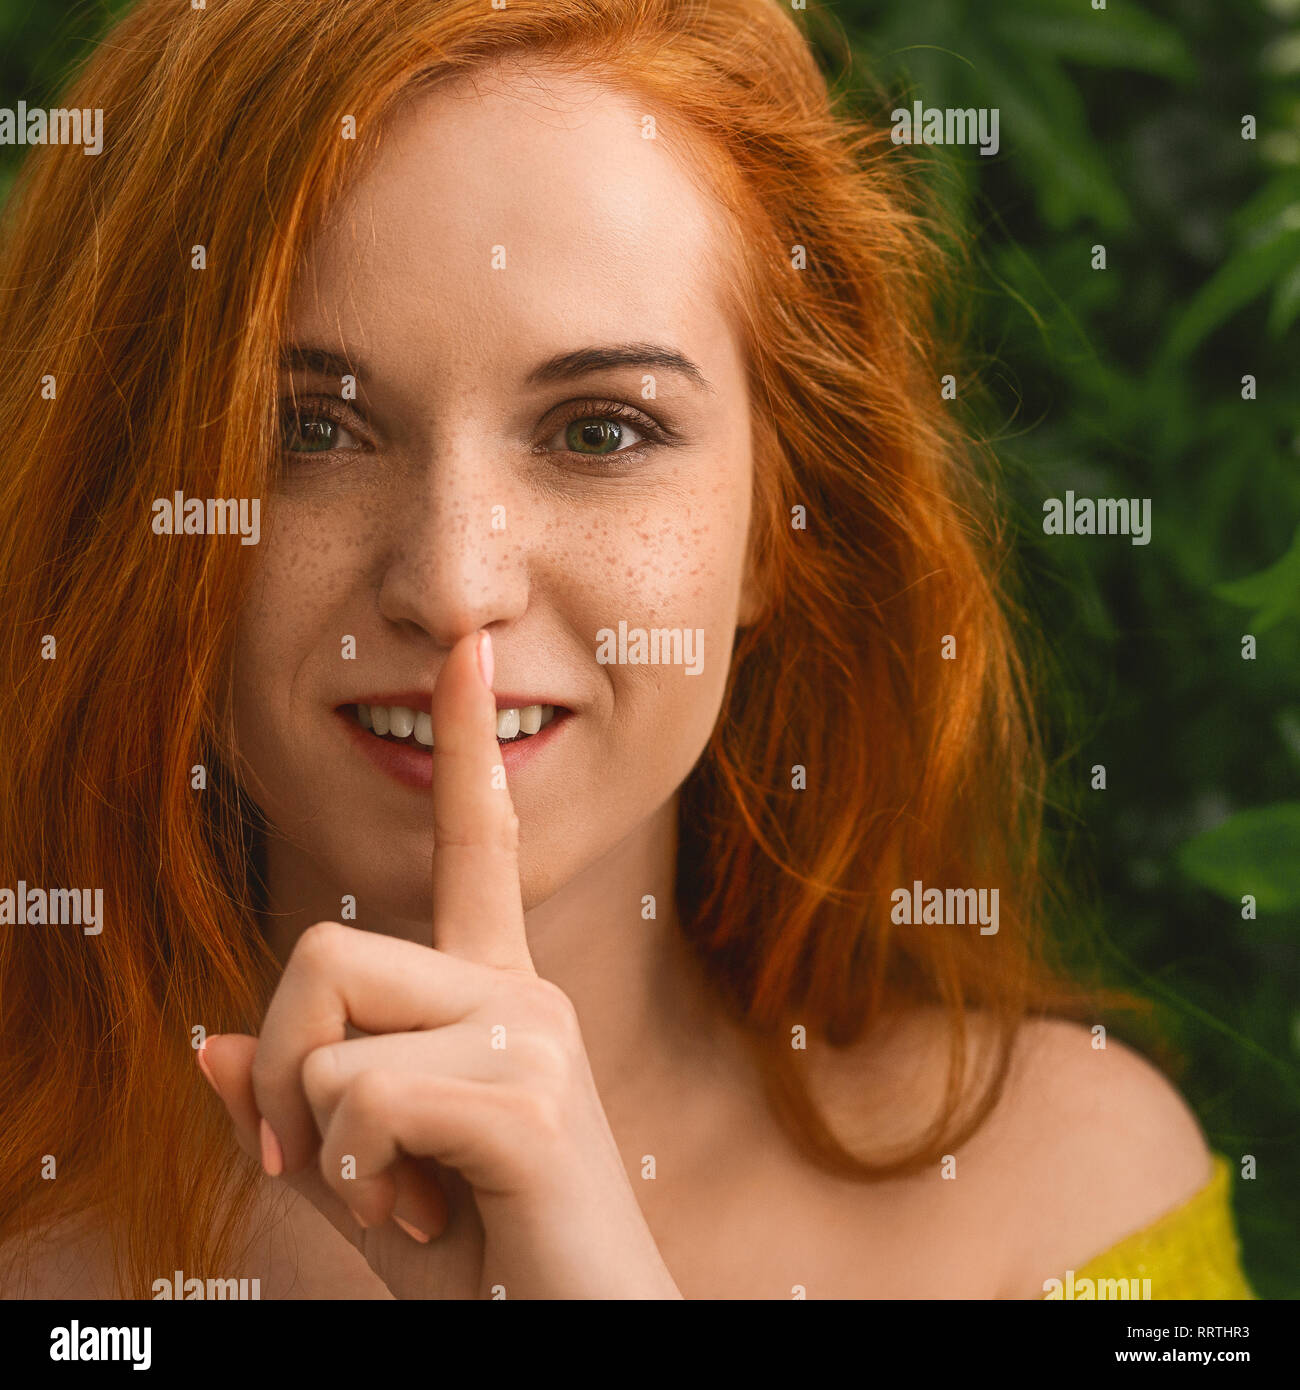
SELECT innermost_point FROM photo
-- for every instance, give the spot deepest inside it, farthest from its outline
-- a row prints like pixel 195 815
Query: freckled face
pixel 460 490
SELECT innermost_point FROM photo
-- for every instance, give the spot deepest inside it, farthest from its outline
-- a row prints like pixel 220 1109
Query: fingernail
pixel 206 1067
pixel 413 1231
pixel 272 1153
pixel 486 661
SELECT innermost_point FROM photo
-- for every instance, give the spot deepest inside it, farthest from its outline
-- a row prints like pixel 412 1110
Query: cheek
pixel 670 553
pixel 675 566
pixel 282 629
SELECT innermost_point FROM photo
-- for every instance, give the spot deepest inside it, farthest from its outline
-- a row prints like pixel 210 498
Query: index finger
pixel 478 911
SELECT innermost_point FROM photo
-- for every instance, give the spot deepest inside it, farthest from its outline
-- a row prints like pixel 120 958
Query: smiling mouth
pixel 400 724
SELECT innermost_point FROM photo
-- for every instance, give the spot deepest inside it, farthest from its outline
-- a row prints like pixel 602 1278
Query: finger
pixel 405 1191
pixel 338 975
pixel 414 1194
pixel 478 912
pixel 461 1049
pixel 228 1062
pixel 226 1059
pixel 470 1126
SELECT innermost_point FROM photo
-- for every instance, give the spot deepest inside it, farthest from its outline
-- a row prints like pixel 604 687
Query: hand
pixel 470 1112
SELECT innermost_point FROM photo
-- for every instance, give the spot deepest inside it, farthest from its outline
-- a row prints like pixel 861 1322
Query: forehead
pixel 521 204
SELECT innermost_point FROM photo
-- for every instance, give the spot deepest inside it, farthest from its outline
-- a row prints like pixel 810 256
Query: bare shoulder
pixel 73 1261
pixel 1084 1146
pixel 1089 1144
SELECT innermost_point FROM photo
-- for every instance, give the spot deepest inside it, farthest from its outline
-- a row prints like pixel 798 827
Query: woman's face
pixel 493 471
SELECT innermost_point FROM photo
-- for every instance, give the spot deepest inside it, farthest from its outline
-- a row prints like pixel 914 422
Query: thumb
pixel 226 1059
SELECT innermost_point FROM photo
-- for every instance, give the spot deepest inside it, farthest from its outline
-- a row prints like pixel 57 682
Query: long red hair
pixel 225 128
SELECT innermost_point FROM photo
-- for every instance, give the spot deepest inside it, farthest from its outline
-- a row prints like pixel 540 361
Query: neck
pixel 651 1025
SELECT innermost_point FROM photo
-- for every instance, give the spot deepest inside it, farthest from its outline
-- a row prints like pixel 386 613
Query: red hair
pixel 223 128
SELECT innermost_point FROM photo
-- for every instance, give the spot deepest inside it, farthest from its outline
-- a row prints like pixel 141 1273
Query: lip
pixel 412 765
pixel 421 700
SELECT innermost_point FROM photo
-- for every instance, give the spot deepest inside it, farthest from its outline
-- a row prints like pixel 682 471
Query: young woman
pixel 511 441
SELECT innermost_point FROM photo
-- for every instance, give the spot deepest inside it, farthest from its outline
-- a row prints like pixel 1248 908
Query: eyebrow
pixel 594 359
pixel 580 362
pixel 317 359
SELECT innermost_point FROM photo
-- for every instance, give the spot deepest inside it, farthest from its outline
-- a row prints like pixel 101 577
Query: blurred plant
pixel 1123 129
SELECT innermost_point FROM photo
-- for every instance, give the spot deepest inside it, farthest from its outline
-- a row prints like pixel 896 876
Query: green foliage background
pixel 1120 127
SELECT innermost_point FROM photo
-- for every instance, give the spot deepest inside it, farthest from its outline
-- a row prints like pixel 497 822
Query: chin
pixel 536 882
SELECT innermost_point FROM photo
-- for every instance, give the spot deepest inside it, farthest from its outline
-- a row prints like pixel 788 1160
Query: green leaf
pixel 1256 852
pixel 1269 212
pixel 1118 37
pixel 1274 592
pixel 1042 117
pixel 1245 276
pixel 1286 304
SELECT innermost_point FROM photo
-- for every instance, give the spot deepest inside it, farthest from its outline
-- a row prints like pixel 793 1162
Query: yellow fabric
pixel 1190 1252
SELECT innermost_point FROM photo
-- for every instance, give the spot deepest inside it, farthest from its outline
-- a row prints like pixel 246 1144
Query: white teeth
pixel 401 722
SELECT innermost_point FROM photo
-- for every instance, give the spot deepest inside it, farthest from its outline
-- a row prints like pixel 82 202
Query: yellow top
pixel 1190 1252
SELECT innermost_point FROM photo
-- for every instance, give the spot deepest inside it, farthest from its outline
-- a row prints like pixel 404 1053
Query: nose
pixel 456 559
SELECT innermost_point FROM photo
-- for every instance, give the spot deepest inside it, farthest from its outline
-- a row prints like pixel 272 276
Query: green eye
pixel 309 434
pixel 599 429
pixel 594 435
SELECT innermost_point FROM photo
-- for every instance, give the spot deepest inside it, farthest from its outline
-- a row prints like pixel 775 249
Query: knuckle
pixel 501 835
pixel 536 1006
pixel 548 1054
pixel 549 1025
pixel 319 1074
pixel 555 1009
pixel 448 834
pixel 320 944
pixel 537 1112
pixel 369 1095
